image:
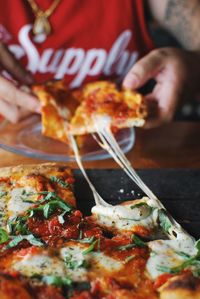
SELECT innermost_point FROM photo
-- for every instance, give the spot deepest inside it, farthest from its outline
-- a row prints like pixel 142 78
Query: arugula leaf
pixel 30 238
pixel 90 248
pixel 60 182
pixel 138 242
pixel 57 281
pixel 164 220
pixel 3 236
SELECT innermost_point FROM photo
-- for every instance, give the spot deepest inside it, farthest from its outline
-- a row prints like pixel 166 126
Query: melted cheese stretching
pixel 125 217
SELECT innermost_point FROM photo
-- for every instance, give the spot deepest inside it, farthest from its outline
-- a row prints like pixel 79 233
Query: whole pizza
pixel 50 250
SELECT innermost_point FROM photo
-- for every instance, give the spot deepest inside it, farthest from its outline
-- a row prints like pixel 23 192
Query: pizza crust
pixel 184 286
pixel 25 169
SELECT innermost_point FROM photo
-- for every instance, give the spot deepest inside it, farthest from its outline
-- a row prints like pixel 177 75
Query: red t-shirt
pixel 90 39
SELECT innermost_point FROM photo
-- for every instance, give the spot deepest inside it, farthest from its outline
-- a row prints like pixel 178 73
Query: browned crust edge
pixel 35 168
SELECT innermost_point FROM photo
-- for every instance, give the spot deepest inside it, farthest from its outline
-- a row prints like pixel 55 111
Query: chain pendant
pixel 41 26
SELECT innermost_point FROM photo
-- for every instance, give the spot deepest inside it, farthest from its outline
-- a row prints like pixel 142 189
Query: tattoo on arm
pixel 182 19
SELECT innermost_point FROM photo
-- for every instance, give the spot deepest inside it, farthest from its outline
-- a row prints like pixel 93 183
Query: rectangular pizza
pixel 50 250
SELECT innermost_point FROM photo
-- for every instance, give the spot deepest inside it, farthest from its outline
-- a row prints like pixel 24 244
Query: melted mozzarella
pixel 3 204
pixel 101 262
pixel 16 203
pixel 96 261
pixel 166 253
pixel 124 216
pixel 75 255
pixel 39 264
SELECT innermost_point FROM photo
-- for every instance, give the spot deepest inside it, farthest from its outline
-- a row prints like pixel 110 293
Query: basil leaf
pixel 165 269
pixel 75 264
pixel 3 193
pixel 61 218
pixel 34 241
pixel 183 254
pixel 138 242
pixel 60 182
pixel 126 247
pixel 82 286
pixel 190 262
pixel 146 210
pixel 129 258
pixel 90 248
pixel 49 208
pixel 57 281
pixel 30 238
pixel 18 224
pixel 3 236
pixel 87 240
pixel 15 241
pixel 164 220
pixel 197 245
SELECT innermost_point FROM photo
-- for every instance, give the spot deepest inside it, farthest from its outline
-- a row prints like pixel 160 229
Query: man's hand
pixel 175 72
pixel 14 103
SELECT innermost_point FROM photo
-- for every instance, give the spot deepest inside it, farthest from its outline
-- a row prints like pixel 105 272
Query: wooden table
pixel 176 145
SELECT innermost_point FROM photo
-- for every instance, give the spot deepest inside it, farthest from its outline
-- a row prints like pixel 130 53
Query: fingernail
pixel 131 82
pixel 29 79
pixel 38 109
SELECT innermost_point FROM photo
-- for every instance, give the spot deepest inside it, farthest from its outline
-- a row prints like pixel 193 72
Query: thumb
pixel 11 65
pixel 144 70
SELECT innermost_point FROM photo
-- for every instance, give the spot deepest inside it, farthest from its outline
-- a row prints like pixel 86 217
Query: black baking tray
pixel 179 191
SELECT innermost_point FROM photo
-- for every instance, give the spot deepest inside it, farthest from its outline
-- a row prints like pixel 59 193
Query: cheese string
pixel 98 199
pixel 109 143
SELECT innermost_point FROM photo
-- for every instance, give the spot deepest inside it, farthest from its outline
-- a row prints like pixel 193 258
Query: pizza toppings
pixel 132 250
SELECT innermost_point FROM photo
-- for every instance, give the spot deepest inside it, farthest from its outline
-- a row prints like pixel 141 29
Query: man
pixel 175 71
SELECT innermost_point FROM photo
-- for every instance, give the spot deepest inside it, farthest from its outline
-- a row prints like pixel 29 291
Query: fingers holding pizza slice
pixel 77 111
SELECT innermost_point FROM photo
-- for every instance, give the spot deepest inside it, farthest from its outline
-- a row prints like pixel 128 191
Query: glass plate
pixel 25 138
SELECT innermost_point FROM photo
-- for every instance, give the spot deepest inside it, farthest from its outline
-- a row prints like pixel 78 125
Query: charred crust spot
pixel 188 282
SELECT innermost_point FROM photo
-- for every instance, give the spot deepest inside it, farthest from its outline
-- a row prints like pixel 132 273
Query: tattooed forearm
pixel 182 19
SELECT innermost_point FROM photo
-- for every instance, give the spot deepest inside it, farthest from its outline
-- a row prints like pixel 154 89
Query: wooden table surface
pixel 176 145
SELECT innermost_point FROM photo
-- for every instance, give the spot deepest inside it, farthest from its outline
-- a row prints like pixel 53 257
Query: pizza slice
pixel 75 111
pixel 58 106
pixel 103 103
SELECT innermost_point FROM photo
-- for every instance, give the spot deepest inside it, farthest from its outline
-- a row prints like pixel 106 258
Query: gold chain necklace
pixel 41 24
